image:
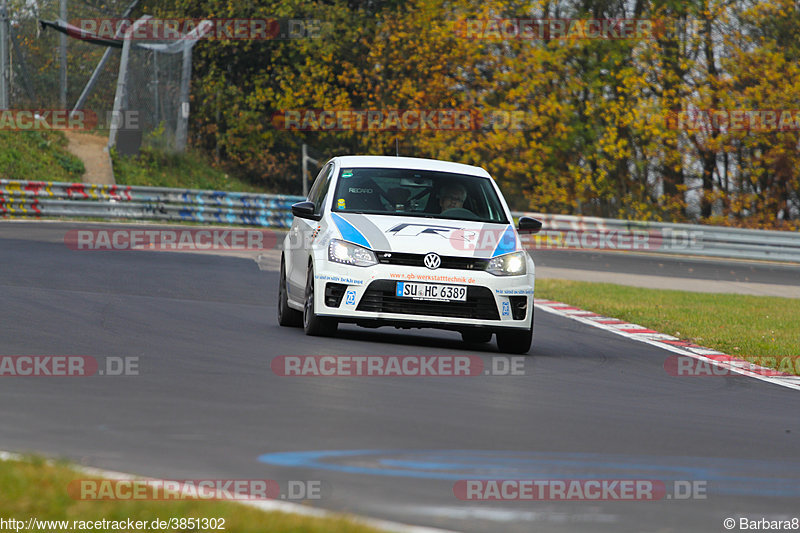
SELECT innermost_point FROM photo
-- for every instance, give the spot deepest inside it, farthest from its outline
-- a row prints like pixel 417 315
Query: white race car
pixel 411 243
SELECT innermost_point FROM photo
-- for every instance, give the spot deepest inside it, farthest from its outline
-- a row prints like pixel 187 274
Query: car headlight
pixel 350 254
pixel 507 265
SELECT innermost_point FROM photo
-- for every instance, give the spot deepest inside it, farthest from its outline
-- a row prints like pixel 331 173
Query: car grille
pixel 380 297
pixel 406 259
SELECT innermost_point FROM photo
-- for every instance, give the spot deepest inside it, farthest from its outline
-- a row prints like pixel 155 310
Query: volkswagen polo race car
pixel 410 243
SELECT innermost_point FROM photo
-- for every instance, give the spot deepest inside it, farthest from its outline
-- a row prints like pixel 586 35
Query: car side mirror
pixel 529 225
pixel 305 210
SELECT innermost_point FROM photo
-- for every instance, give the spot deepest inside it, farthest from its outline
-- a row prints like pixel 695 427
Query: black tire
pixel 315 326
pixel 476 336
pixel 286 315
pixel 516 341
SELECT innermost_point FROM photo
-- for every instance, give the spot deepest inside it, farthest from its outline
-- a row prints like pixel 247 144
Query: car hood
pixel 461 238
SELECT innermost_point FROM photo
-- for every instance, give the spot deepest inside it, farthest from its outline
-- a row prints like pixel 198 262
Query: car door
pixel 301 234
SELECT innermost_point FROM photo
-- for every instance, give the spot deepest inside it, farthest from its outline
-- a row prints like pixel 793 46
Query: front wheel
pixel 515 340
pixel 315 326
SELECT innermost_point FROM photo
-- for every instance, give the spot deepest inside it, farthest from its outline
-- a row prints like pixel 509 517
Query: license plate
pixel 431 291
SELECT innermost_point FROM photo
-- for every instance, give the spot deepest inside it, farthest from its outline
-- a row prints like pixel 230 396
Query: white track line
pixel 668 342
pixel 263 505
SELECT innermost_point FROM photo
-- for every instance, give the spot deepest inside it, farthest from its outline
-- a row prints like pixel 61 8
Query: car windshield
pixel 422 193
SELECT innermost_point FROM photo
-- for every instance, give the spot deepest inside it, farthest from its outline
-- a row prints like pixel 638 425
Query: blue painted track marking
pixel 724 475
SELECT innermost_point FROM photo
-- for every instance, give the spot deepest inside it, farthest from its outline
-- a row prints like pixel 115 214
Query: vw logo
pixel 432 261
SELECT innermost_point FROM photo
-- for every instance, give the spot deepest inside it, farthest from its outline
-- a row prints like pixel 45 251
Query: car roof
pixel 416 163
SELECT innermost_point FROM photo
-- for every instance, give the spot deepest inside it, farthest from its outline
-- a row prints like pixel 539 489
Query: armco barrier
pixel 55 199
pixel 684 239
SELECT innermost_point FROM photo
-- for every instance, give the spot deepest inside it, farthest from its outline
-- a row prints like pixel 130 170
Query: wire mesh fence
pixel 141 100
pixel 153 92
pixel 34 73
pixel 153 89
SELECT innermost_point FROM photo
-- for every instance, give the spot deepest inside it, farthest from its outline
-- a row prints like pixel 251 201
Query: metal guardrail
pixel 668 238
pixel 58 199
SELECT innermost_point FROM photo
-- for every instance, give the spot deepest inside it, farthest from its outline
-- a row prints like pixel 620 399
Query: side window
pixel 320 187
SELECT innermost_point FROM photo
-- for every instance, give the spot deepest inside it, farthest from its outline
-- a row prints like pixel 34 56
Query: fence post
pixel 4 75
pixel 182 130
pixel 62 61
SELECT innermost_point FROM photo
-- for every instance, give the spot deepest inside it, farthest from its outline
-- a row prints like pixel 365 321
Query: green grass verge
pixel 740 325
pixel 37 155
pixel 35 488
pixel 191 170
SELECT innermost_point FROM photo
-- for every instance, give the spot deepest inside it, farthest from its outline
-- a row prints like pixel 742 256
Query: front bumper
pixel 365 295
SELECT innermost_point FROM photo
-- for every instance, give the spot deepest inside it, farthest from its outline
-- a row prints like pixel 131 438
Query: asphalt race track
pixel 590 405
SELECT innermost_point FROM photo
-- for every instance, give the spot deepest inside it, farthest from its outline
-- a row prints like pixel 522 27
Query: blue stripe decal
pixel 507 243
pixel 349 232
